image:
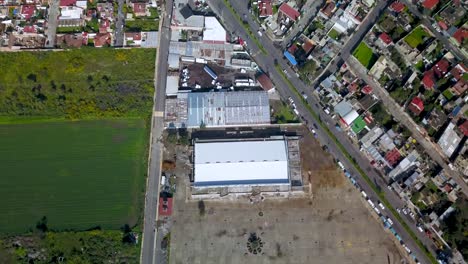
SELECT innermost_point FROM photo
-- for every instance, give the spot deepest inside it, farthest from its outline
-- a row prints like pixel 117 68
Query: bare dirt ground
pixel 330 225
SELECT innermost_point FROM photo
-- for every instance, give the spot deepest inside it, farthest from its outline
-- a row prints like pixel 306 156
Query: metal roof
pixel 449 140
pixel 228 108
pixel 240 162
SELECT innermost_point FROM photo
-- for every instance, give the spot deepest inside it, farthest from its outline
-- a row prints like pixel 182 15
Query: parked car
pixel 381 206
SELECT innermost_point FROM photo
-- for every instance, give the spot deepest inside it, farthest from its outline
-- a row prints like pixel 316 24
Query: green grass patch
pixel 365 55
pixel 448 94
pixel 93 246
pixel 69 29
pixel 357 167
pixel 285 115
pixel 419 66
pixel 77 83
pixel 416 37
pixel 334 34
pixel 79 174
pixel 142 24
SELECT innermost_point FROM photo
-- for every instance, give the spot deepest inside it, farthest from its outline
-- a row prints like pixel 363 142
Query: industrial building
pixel 247 165
pixel 218 109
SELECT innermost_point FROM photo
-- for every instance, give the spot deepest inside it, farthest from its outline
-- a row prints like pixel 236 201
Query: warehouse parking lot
pixel 329 225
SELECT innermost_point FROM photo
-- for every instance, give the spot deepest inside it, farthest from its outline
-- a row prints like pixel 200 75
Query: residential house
pixel 102 39
pixel 458 71
pixel 288 14
pixel 397 7
pixel 385 39
pixel 139 9
pixel 407 165
pixel 105 10
pixel 266 83
pixel 29 30
pixel 437 119
pixel 416 106
pixel 460 35
pixel 460 87
pixel 328 10
pixel 64 3
pixel 464 128
pixel 430 4
pixel 437 72
pixel 449 140
pixel 133 38
pixel 265 8
pixel 346 112
pixel 27 11
pixel 69 40
pixel 393 157
pixel 104 26
pixel 71 16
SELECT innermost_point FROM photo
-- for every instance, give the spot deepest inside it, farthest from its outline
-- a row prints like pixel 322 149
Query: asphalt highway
pixel 149 244
pixel 267 62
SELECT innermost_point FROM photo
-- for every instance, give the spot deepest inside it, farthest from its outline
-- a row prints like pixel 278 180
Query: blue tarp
pixel 290 58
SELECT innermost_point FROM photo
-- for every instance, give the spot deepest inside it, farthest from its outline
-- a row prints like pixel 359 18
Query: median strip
pixel 245 26
pixel 357 167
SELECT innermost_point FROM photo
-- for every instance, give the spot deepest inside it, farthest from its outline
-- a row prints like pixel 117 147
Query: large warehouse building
pixel 218 109
pixel 241 166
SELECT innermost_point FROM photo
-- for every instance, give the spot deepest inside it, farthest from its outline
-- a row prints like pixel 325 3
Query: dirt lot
pixel 225 76
pixel 331 225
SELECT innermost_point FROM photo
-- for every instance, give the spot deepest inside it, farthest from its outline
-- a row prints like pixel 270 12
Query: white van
pixel 341 165
pixel 364 194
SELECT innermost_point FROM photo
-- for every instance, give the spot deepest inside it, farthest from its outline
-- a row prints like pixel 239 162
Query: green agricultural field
pixel 416 37
pixel 77 83
pixel 78 174
pixel 365 55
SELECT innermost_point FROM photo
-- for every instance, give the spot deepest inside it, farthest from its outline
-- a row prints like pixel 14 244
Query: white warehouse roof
pixel 240 163
pixel 214 31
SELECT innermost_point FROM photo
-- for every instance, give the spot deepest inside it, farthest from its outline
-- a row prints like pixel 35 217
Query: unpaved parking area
pixel 331 225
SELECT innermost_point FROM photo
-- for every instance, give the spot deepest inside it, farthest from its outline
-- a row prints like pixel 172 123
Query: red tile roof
pixel 29 29
pixel 28 11
pixel 265 82
pixel 328 9
pixel 458 71
pixel 416 106
pixel 385 38
pixel 460 87
pixel 307 46
pixel 290 12
pixel 67 2
pixel 139 7
pixel 165 206
pixel 442 25
pixel 448 188
pixel 430 4
pixel 353 87
pixel 367 89
pixel 102 39
pixel 369 119
pixel 460 35
pixel 292 49
pixel 429 79
pixel 464 128
pixel 393 156
pixel 133 35
pixel 397 6
pixel 441 68
pixel 265 8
